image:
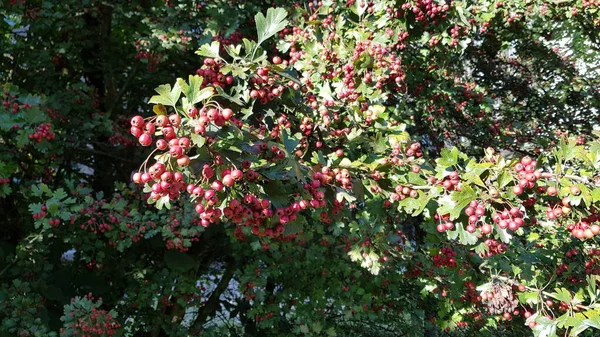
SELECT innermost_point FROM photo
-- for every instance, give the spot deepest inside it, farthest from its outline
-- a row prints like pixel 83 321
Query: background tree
pixel 329 168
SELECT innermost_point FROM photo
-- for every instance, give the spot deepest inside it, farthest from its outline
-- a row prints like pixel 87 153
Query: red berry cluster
pixel 211 73
pixel 527 174
pixel 445 223
pixel 235 38
pixel 451 181
pixel 471 295
pixel 94 322
pixel 163 182
pixel 427 10
pixel 152 58
pixel 41 214
pixel 413 150
pixel 509 218
pixel 592 266
pixel 266 88
pixel 445 258
pixel 4 181
pixel 42 132
pixel 327 175
pixel 272 153
pixel 494 247
pixel 54 222
pixel 474 211
pixel 586 228
pixel 9 102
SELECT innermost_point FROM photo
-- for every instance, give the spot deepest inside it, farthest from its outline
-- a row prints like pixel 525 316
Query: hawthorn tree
pixel 331 168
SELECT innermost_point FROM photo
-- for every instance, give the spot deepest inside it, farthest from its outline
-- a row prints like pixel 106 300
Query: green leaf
pixel 163 202
pixel 502 234
pixel 270 25
pixel 249 45
pixel 290 143
pixel 562 295
pixel 209 50
pixel 192 91
pixel 528 297
pixel 448 157
pixel 166 95
pixel 462 198
pixel 464 237
pixel 256 245
pixel 222 93
pixel 504 179
pixel 545 327
pixel 294 227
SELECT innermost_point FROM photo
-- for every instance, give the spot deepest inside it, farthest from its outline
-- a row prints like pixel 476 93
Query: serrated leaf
pixel 249 45
pixel 562 295
pixel 465 237
pixel 192 90
pixel 166 95
pixel 235 100
pixel 270 25
pixel 256 245
pixel 528 297
pixel 197 140
pixel 290 142
pixel 448 157
pixel 342 195
pixel 294 227
pixel 209 50
pixel 502 234
pixel 462 199
pixel 545 327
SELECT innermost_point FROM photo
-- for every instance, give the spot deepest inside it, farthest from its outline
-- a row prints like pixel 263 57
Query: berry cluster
pixel 527 174
pixel 427 10
pixel 445 258
pixel 41 214
pixel 211 73
pixel 474 211
pixel 445 223
pixel 592 266
pixel 471 295
pixel 163 182
pixel 413 150
pixel 586 228
pixel 153 59
pixel 509 218
pixel 451 181
pixel 88 320
pixel 4 181
pixel 266 88
pixel 54 222
pixel 42 132
pixel 493 248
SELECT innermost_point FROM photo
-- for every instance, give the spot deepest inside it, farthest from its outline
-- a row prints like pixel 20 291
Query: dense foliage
pixel 344 168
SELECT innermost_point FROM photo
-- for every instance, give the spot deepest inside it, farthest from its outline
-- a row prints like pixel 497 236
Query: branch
pixel 583 180
pixel 123 88
pixel 212 305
